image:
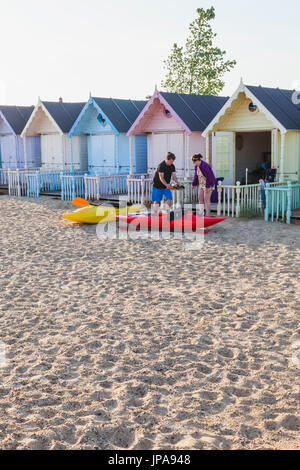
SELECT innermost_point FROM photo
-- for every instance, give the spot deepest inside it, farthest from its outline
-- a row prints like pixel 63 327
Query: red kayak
pixel 188 223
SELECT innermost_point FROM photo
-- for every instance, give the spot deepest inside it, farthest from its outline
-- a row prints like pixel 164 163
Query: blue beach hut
pixel 105 122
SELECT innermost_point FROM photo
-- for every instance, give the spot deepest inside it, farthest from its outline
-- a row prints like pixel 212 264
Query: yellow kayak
pixel 96 214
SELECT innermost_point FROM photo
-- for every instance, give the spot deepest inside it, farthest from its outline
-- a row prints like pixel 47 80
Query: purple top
pixel 207 172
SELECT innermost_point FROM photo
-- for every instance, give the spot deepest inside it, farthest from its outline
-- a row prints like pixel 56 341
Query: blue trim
pixel 91 101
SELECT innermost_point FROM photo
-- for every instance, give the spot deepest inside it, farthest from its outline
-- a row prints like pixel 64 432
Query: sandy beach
pixel 146 344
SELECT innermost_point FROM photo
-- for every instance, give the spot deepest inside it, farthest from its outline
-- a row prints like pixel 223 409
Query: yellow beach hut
pixel 256 125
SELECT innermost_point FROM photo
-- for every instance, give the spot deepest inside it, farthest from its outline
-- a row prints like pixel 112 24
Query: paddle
pixel 80 202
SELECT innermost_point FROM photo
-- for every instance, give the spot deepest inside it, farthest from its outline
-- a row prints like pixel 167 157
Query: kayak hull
pixel 188 223
pixel 98 214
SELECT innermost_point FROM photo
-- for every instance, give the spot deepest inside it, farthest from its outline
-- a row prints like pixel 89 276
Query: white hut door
pixel 176 146
pixel 223 156
pixel 159 150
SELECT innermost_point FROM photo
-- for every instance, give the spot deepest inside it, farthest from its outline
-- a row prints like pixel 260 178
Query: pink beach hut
pixel 174 122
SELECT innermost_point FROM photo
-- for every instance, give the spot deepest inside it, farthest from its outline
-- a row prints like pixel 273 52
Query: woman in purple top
pixel 205 180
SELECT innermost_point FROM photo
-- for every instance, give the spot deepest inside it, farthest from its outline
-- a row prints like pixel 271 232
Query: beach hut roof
pixel 284 105
pixel 64 114
pixel 16 117
pixel 194 112
pixel 281 106
pixel 120 113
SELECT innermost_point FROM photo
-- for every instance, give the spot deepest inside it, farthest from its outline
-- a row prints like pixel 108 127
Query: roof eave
pixel 40 104
pixel 162 100
pixel 91 101
pixel 243 89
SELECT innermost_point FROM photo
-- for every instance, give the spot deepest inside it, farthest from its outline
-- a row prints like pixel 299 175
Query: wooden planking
pixel 155 120
pixel 239 118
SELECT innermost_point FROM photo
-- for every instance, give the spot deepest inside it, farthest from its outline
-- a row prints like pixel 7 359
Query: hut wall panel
pixel 101 150
pixel 292 156
pixel 9 151
pixel 156 120
pixel 83 150
pixel 239 118
pixel 124 157
pixel 41 124
pixel 197 145
pixel 52 151
pixel 33 147
pixel 90 125
pixel 140 154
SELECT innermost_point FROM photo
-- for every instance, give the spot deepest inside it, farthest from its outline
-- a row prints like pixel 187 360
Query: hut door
pixel 222 156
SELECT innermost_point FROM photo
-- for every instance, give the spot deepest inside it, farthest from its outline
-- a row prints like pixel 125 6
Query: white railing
pixel 234 200
pixel 140 191
pixel 98 186
pixel 139 188
pixel 17 182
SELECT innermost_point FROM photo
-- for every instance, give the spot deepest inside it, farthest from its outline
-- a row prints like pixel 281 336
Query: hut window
pixel 252 107
pixel 167 113
pixel 101 119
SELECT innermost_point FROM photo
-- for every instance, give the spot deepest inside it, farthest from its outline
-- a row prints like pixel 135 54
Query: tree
pixel 199 66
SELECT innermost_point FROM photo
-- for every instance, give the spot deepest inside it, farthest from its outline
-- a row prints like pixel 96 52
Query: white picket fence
pixel 97 186
pixel 3 176
pixel 232 199
pixel 236 199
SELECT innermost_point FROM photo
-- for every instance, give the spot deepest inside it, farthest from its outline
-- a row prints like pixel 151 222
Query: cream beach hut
pixel 52 121
pixel 256 124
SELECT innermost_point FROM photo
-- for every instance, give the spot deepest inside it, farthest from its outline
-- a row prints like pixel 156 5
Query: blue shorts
pixel 158 194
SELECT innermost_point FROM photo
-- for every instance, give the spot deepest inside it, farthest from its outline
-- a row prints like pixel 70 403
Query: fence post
pixel 98 186
pixel 9 181
pixel 219 206
pixel 18 182
pixel 238 198
pixel 142 190
pixel 85 185
pixel 289 203
pixel 38 184
pixel 267 202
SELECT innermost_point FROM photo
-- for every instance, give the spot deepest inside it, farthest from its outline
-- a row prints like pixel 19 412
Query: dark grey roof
pixel 122 113
pixel 64 114
pixel 196 111
pixel 17 116
pixel 280 104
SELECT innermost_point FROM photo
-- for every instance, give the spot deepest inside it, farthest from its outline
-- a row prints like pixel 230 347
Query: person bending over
pixel 205 180
pixel 161 181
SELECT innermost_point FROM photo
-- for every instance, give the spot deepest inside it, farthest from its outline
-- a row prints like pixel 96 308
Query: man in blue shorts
pixel 161 182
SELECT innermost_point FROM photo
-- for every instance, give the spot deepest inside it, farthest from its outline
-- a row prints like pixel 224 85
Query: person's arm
pixel 174 177
pixel 195 180
pixel 209 175
pixel 162 179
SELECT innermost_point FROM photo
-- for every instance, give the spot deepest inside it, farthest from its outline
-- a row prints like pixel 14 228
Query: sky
pixel 116 48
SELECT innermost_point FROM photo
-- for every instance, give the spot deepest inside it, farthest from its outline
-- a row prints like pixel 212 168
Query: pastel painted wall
pixel 89 123
pixel 155 120
pixel 107 151
pixel 292 156
pixel 12 152
pixel 239 118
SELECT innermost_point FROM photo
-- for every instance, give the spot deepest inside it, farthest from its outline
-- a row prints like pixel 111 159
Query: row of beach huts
pixel 124 140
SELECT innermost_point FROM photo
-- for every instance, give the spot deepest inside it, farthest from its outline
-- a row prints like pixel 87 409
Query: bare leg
pixel 169 203
pixel 207 197
pixel 156 206
pixel 201 200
